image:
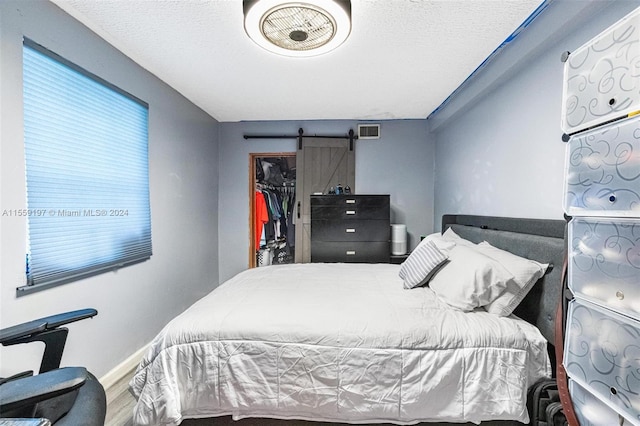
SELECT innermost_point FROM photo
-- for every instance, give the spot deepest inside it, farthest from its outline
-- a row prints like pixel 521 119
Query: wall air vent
pixel 368 131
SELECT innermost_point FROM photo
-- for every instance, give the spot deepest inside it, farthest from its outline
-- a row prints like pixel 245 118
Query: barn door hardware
pixel 300 136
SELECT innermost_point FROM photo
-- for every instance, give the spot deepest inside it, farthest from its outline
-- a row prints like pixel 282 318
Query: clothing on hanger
pixel 261 217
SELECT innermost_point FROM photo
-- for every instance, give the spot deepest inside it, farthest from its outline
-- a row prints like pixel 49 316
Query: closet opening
pixel 272 181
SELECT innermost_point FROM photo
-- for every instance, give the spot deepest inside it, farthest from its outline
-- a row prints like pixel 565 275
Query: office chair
pixel 65 396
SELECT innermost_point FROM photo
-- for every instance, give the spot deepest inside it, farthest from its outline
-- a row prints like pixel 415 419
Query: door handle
pixel 298 209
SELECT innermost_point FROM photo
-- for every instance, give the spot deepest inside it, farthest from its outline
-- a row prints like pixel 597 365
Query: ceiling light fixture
pixel 298 28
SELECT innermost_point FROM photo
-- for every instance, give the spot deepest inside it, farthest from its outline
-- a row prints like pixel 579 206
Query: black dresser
pixel 350 228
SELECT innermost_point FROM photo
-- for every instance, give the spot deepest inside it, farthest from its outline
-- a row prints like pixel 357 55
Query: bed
pixel 349 343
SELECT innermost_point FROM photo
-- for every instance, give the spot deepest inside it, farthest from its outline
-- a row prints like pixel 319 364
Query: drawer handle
pixel 620 295
pixel 351 212
pixel 350 230
pixel 351 252
pixel 350 201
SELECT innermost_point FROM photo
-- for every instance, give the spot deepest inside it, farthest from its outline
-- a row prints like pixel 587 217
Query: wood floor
pixel 120 404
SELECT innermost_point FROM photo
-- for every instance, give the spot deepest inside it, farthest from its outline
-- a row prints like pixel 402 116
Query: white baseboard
pixel 124 368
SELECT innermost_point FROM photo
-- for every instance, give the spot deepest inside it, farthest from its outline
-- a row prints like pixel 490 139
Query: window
pixel 87 172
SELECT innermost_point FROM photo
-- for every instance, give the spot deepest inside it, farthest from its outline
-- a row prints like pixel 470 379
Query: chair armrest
pixel 54 321
pixel 30 390
pixel 47 330
pixel 7 335
pixel 22 330
pixel 16 376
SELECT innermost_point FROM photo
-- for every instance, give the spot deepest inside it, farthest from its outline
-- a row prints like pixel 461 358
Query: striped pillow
pixel 421 265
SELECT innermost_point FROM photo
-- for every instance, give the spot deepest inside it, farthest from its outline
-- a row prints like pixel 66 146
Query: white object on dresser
pixel 398 239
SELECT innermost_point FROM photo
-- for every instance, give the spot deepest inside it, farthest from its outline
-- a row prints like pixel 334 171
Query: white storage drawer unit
pixel 602 354
pixel 590 410
pixel 604 262
pixel 602 170
pixel 601 116
pixel 600 79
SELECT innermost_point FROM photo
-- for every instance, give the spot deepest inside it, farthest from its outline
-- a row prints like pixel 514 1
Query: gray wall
pixel 501 153
pixel 496 149
pixel 136 301
pixel 400 163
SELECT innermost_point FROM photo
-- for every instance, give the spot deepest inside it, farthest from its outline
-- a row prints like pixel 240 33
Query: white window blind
pixel 87 172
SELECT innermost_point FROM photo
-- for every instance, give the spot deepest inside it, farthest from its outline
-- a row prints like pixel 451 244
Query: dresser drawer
pixel 602 171
pixel 604 262
pixel 602 354
pixel 358 252
pixel 350 230
pixel 600 81
pixel 590 410
pixel 347 207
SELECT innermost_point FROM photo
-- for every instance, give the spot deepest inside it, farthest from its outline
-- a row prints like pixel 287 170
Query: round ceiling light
pixel 298 28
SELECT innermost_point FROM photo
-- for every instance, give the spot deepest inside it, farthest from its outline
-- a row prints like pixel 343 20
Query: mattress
pixel 336 342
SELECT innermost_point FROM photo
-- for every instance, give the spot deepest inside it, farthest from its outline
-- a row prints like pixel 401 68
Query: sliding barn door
pixel 321 163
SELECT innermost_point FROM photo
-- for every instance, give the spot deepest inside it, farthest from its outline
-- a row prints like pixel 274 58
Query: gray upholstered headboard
pixel 538 239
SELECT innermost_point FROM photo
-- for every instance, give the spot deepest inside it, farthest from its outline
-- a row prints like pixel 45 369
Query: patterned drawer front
pixel 351 230
pixel 590 410
pixel 602 354
pixel 601 78
pixel 602 174
pixel 604 262
pixel 368 252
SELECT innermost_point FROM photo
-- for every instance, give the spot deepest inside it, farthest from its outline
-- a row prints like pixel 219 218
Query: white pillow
pixel 470 279
pixel 439 240
pixel 450 235
pixel 423 262
pixel 525 273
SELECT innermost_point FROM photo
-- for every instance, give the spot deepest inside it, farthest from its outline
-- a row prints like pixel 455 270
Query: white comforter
pixel 336 342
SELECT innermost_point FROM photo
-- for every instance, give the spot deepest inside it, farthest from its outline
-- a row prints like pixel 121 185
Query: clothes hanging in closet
pixel 279 203
pixel 261 216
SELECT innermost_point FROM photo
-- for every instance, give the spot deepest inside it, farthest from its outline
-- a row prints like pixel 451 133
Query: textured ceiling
pixel 402 59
